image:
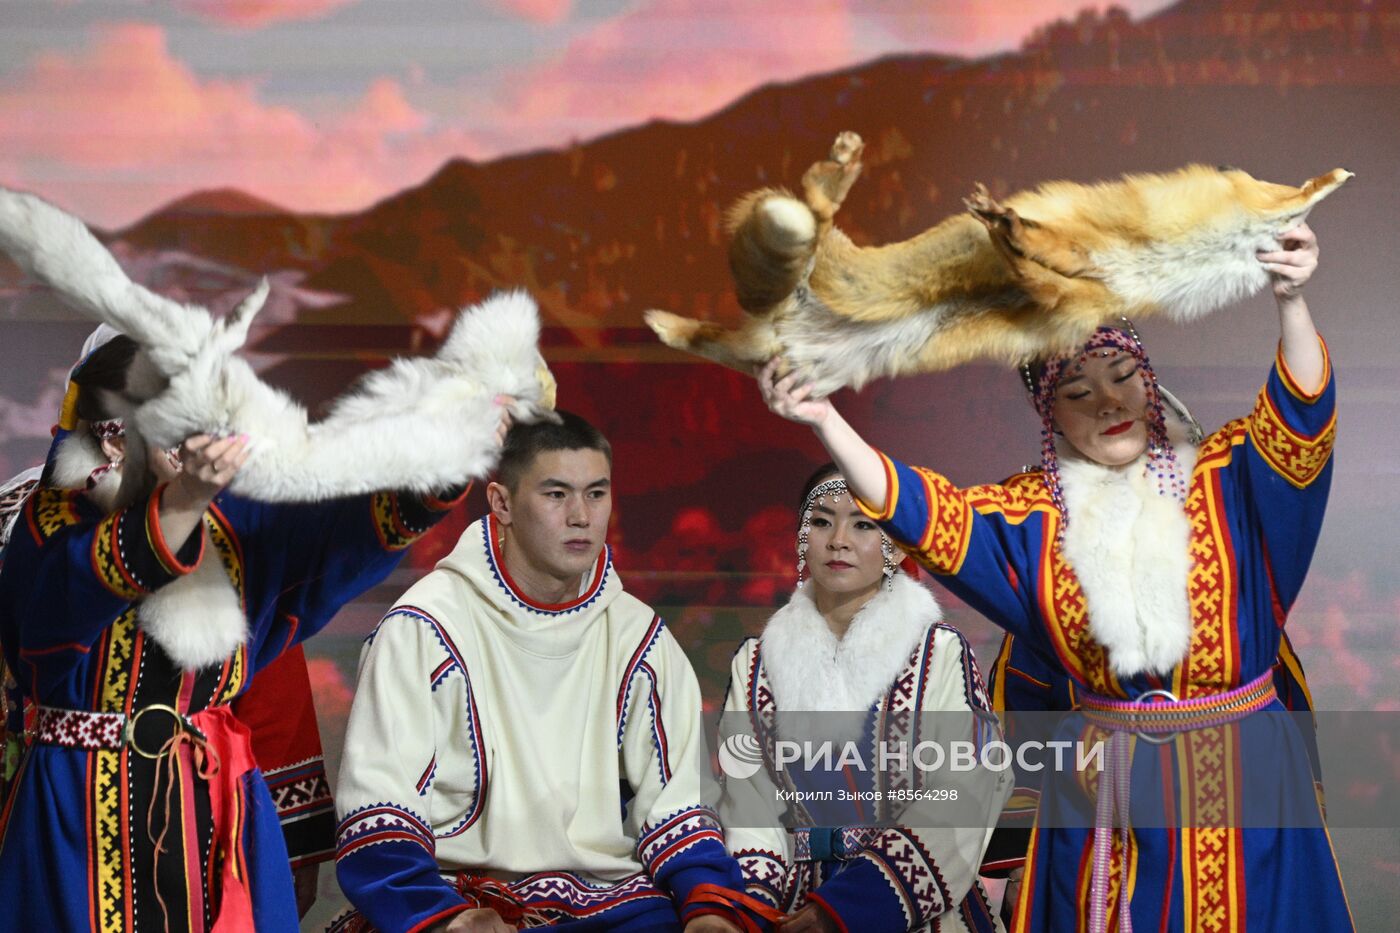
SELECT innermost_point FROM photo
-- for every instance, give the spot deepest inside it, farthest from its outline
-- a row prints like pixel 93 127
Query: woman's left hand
pixel 1293 263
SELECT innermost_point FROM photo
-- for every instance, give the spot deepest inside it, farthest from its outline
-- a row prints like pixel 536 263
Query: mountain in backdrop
pixel 605 229
pixel 600 231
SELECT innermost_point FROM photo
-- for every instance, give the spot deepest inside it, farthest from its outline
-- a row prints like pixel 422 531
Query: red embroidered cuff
pixel 170 560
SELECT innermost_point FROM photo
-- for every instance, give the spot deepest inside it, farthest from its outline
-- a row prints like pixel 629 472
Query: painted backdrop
pixel 385 162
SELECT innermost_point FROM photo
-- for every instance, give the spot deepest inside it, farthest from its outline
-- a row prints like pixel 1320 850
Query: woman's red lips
pixel 1120 428
pixel 839 565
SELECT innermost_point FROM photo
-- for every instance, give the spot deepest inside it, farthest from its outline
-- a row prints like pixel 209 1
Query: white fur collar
pixel 196 619
pixel 811 669
pixel 1130 548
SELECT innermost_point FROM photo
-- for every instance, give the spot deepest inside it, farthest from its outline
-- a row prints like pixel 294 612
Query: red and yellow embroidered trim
pixel 948 525
pixel 51 510
pixel 1015 500
pixel 1066 615
pixel 393 534
pixel 1295 457
pixel 1212 882
pixel 221 536
pixel 110 827
pixel 108 561
pixel 1212 663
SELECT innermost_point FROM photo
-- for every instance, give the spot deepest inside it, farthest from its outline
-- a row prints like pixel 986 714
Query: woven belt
pixel 831 843
pixel 1158 723
pixel 76 728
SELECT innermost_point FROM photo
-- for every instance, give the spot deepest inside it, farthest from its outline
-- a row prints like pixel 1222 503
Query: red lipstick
pixel 1120 428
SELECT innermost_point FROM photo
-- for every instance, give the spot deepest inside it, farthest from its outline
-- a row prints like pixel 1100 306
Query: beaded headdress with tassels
pixel 1162 463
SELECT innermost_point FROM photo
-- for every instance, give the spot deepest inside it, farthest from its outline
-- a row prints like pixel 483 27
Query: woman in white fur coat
pixel 1157 574
pixel 863 638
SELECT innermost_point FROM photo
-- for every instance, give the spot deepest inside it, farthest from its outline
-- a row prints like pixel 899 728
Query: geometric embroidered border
pixel 846 842
pixel 382 822
pixel 677 832
pixel 76 728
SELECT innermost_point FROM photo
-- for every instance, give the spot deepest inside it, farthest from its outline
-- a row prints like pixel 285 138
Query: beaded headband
pixel 1162 463
pixel 105 430
pixel 834 487
pixel 820 491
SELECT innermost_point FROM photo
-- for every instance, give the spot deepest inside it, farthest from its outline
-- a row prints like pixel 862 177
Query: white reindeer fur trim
pixel 196 619
pixel 422 425
pixel 1130 548
pixel 811 669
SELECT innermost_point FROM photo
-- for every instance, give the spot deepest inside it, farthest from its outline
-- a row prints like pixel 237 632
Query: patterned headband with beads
pixel 833 487
pixel 1162 462
pixel 104 430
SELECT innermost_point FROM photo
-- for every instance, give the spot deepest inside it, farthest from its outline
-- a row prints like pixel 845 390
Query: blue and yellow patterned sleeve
pixel 1293 431
pixel 983 543
pixel 1287 460
pixel 70 571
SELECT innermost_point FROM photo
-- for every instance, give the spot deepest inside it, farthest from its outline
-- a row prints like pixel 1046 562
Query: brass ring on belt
pixel 182 723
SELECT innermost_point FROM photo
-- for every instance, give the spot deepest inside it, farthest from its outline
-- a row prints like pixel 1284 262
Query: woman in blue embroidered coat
pixel 858 635
pixel 1023 682
pixel 162 609
pixel 1135 565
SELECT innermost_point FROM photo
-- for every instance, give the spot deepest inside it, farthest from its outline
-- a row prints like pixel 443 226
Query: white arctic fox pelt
pixel 422 425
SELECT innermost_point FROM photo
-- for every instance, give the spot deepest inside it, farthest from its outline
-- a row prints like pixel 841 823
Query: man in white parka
pixel 526 740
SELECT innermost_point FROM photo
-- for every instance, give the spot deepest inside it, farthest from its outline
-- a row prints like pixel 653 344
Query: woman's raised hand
pixel 209 463
pixel 1293 263
pixel 789 397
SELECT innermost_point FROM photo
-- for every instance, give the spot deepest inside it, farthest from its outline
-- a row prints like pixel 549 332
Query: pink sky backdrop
pixel 113 118
pixel 251 14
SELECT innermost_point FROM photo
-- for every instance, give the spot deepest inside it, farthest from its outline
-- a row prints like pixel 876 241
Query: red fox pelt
pixel 1006 281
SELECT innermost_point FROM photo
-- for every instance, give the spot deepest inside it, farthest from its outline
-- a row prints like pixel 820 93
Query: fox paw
pixel 826 184
pixel 1003 223
pixel 847 148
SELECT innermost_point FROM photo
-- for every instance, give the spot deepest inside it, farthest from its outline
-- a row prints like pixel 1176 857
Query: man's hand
pixel 1293 263
pixel 810 919
pixel 711 923
pixel 482 920
pixel 305 879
